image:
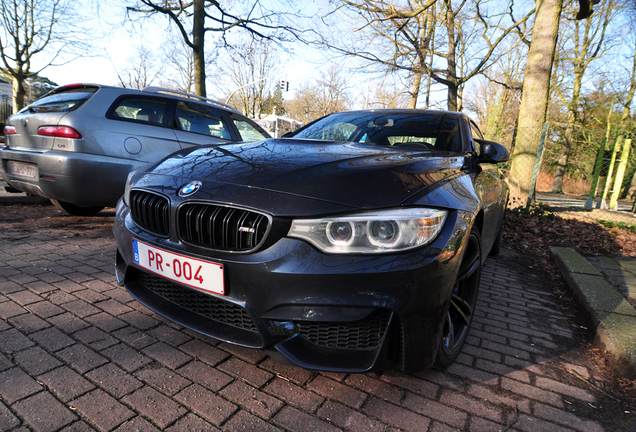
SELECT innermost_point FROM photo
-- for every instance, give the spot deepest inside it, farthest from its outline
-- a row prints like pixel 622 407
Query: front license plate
pixel 202 275
pixel 23 170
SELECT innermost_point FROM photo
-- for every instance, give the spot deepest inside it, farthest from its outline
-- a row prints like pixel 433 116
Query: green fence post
pixel 597 168
pixel 620 173
pixel 537 165
pixel 602 204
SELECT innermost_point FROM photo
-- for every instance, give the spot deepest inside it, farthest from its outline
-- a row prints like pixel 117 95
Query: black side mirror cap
pixel 491 152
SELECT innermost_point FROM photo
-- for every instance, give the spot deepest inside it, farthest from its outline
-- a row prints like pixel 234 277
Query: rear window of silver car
pixel 65 100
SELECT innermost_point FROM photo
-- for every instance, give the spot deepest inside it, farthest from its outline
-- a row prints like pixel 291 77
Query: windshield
pixel 65 100
pixel 416 131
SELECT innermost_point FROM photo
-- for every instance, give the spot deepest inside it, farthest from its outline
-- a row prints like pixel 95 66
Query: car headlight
pixel 129 182
pixel 371 232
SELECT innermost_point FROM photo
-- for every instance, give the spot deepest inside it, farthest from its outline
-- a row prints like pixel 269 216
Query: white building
pixel 278 126
pixel 6 99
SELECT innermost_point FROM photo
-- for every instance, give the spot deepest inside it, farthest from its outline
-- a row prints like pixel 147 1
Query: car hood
pixel 350 174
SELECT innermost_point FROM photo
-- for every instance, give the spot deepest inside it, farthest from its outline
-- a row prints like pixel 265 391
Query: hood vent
pixel 223 228
pixel 150 211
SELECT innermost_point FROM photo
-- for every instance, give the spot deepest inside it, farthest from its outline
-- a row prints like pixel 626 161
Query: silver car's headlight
pixel 127 188
pixel 371 232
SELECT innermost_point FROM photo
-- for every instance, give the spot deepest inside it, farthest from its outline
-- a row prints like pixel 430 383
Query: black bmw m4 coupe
pixel 354 244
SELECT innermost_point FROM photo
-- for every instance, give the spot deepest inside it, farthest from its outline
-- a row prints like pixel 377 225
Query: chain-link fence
pixel 583 172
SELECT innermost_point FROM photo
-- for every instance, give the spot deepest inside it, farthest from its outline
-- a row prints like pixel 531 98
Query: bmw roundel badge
pixel 190 188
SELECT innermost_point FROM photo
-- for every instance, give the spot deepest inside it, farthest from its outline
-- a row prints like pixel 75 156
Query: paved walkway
pixel 77 353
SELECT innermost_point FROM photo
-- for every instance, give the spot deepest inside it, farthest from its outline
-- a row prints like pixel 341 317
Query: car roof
pixel 403 111
pixel 150 90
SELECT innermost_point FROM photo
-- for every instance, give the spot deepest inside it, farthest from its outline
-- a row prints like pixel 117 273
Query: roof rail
pixel 153 89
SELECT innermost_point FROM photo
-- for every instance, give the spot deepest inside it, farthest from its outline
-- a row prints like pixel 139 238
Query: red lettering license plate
pixel 196 273
pixel 23 170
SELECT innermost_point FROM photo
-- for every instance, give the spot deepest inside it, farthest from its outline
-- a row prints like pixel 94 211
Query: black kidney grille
pixel 150 211
pixel 365 334
pixel 198 303
pixel 223 228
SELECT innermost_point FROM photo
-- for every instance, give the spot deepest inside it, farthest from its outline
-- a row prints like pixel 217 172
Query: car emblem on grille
pixel 190 188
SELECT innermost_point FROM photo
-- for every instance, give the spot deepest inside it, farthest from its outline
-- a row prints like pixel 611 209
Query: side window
pixel 476 134
pixel 201 119
pixel 248 131
pixel 140 109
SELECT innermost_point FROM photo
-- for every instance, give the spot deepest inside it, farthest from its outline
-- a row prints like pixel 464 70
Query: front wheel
pixel 76 210
pixel 461 307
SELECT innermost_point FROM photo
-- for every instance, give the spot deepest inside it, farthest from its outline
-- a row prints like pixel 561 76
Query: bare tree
pixel 35 29
pixel 328 95
pixel 585 44
pixel 180 71
pixel 195 18
pixel 536 93
pixel 251 71
pixel 448 42
pixel 140 71
pixel 389 96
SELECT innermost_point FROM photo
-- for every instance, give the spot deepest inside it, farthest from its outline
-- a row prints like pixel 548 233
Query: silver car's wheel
pixel 461 307
pixel 76 210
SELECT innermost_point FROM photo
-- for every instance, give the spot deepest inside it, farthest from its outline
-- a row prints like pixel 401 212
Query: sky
pixel 115 40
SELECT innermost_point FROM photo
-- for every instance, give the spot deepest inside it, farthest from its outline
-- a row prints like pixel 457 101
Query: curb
pixel 613 317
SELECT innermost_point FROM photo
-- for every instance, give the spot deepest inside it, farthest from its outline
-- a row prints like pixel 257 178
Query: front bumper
pixel 78 178
pixel 342 313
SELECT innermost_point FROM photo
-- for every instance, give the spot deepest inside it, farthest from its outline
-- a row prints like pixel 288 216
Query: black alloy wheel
pixel 461 307
pixel 76 210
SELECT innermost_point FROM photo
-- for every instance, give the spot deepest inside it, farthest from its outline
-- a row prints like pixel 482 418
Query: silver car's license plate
pixel 23 170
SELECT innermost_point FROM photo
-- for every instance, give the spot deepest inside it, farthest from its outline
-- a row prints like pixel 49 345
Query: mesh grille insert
pixel 198 303
pixel 365 334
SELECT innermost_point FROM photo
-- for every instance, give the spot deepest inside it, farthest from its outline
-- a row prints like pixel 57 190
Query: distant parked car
pixel 77 144
pixel 354 245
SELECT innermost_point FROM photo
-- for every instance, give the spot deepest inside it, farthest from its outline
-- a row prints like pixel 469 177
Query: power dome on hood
pixel 356 174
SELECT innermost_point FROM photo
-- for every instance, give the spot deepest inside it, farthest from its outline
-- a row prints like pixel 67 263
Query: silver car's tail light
pixel 10 130
pixel 59 132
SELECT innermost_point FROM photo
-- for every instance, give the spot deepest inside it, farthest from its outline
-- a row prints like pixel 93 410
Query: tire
pixel 76 210
pixel 461 306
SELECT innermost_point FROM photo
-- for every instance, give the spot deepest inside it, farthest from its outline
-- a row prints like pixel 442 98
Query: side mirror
pixel 491 152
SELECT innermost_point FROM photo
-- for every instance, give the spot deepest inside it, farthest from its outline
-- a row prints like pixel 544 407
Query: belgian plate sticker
pixel 203 275
pixel 23 170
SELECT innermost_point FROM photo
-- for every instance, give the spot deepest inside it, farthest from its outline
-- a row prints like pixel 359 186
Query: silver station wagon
pixel 77 144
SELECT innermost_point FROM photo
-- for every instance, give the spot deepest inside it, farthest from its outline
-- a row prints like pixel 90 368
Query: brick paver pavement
pixel 77 353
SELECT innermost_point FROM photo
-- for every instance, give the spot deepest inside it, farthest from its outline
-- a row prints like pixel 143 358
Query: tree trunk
pixel 415 90
pixel 451 68
pixel 19 93
pixel 557 182
pixel 198 36
pixel 535 98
